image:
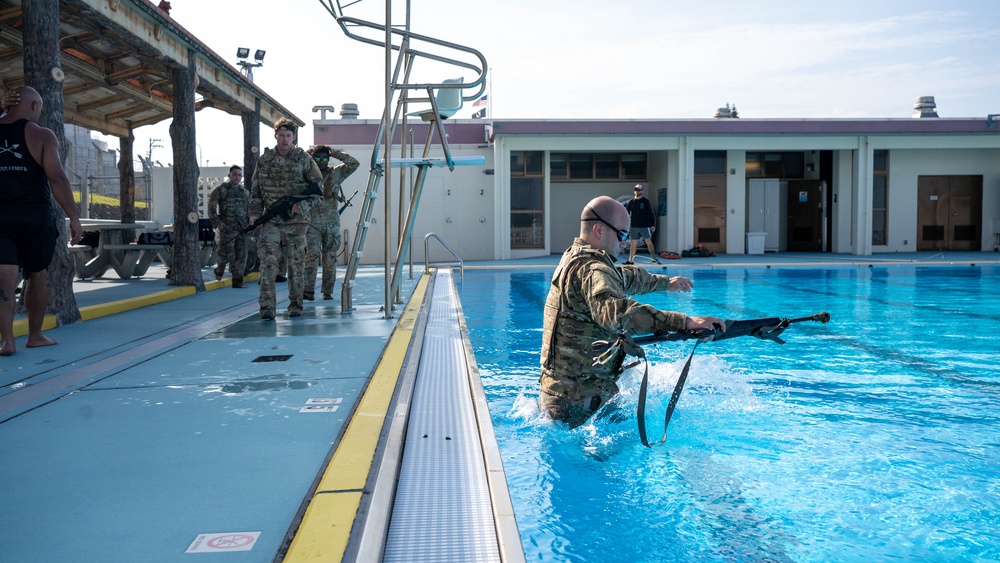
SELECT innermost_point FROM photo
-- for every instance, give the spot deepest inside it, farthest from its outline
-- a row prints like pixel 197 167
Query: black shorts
pixel 27 237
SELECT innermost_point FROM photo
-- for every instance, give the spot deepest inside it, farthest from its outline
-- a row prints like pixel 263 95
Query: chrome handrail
pixel 427 265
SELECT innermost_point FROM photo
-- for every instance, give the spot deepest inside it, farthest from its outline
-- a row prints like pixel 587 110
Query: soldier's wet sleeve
pixel 616 312
pixel 638 281
pixel 348 164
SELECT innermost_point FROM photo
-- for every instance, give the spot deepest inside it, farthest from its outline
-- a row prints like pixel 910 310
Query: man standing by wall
pixel 30 175
pixel 324 238
pixel 285 171
pixel 227 208
pixel 643 223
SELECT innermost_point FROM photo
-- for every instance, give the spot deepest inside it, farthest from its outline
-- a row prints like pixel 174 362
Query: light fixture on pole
pixel 242 53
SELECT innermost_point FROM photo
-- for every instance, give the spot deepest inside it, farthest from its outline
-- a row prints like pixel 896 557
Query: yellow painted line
pixel 326 525
pixel 92 312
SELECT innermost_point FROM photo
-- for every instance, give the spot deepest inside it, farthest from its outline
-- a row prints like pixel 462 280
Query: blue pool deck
pixel 172 426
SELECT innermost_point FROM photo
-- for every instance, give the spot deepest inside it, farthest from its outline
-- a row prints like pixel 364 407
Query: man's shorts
pixel 636 233
pixel 27 237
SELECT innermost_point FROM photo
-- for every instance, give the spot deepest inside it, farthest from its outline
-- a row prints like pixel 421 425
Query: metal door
pixel 805 220
pixel 949 212
pixel 710 212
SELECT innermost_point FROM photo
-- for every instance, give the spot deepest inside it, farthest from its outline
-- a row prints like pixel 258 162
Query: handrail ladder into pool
pixel 381 166
pixel 427 259
pixel 765 329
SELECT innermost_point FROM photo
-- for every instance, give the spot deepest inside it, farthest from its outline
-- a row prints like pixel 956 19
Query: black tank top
pixel 22 180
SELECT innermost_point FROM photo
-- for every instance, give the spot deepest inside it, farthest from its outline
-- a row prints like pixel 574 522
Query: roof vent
pixel 349 111
pixel 723 113
pixel 925 107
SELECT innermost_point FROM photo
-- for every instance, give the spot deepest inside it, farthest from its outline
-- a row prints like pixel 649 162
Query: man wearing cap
pixel 643 223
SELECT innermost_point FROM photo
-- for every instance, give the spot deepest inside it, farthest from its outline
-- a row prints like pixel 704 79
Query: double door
pixel 949 212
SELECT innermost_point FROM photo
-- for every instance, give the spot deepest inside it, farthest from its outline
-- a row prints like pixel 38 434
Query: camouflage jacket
pixel 588 301
pixel 326 212
pixel 227 206
pixel 277 176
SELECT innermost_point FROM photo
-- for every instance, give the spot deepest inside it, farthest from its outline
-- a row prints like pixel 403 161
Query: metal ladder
pixel 401 41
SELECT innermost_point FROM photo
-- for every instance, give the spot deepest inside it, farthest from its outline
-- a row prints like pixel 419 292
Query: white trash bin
pixel 755 242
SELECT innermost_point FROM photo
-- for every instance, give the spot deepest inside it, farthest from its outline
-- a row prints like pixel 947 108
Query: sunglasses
pixel 622 235
pixel 322 159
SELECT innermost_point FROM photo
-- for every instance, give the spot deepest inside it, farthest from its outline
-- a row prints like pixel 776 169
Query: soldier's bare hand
pixel 694 323
pixel 680 283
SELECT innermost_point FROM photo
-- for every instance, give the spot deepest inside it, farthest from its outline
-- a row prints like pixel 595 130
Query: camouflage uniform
pixel 278 176
pixel 227 208
pixel 323 237
pixel 587 302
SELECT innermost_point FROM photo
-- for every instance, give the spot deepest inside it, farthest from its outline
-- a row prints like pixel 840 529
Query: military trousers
pixel 282 242
pixel 322 242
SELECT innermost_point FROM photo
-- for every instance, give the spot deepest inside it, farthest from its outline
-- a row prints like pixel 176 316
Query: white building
pixel 857 186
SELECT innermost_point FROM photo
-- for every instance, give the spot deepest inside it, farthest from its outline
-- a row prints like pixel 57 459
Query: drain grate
pixel 281 358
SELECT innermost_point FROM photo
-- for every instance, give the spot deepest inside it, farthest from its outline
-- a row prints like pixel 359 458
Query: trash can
pixel 755 242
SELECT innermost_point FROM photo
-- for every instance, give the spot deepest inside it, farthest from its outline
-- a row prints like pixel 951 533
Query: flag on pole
pixel 480 102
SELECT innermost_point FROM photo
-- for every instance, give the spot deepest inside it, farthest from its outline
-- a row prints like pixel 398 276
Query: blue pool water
pixel 873 438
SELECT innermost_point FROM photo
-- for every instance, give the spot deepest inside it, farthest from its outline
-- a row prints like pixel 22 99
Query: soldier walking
pixel 227 208
pixel 323 237
pixel 285 171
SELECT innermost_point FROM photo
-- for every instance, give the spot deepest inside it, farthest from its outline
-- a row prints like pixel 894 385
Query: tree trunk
pixel 185 266
pixel 43 73
pixel 251 142
pixel 126 183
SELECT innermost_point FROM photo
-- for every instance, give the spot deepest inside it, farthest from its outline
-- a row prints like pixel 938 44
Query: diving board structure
pixel 403 49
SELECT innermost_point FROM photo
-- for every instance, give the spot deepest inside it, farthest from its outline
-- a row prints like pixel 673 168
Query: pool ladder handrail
pixel 386 36
pixel 427 264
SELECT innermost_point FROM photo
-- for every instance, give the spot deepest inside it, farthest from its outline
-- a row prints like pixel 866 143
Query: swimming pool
pixel 875 437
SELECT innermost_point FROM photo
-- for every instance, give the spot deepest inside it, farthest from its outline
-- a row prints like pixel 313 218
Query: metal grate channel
pixel 442 510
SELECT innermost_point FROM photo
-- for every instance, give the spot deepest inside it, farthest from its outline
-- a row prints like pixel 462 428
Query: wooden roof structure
pixel 117 57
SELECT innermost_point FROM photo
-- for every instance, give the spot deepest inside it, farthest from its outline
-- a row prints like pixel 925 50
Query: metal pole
pixel 387 311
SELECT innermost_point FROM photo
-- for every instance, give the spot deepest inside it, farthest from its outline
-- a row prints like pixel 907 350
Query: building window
pixel 880 196
pixel 782 165
pixel 597 166
pixel 527 199
pixel 710 162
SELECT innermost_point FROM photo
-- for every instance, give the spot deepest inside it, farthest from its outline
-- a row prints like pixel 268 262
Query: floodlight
pixel 259 55
pixel 242 53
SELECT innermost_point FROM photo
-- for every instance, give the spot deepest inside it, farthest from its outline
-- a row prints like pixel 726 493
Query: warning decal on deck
pixel 218 543
pixel 322 405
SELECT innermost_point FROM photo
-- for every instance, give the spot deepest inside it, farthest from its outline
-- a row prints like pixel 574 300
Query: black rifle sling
pixel 641 409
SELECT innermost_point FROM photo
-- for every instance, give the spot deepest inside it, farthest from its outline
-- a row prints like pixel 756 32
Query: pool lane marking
pixel 326 526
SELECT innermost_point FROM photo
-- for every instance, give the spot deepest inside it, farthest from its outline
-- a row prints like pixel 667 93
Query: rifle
pixel 347 203
pixel 284 207
pixel 766 329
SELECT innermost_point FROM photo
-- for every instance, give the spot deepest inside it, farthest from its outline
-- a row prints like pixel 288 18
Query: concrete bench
pixel 132 259
pixel 88 262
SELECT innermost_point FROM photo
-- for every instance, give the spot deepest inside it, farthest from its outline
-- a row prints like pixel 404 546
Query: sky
pixel 631 59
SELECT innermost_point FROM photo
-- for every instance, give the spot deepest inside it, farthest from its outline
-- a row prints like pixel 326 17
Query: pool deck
pixel 169 423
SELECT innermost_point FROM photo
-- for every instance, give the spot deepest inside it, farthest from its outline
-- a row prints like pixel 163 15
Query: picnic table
pixel 111 252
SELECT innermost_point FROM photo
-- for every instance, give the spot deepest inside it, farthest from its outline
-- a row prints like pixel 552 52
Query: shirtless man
pixel 30 175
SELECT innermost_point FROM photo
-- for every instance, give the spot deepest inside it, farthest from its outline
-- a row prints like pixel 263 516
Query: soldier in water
pixel 588 301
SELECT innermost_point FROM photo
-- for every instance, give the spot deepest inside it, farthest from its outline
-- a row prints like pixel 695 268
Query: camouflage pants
pixel 571 400
pixel 232 251
pixel 288 241
pixel 323 242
